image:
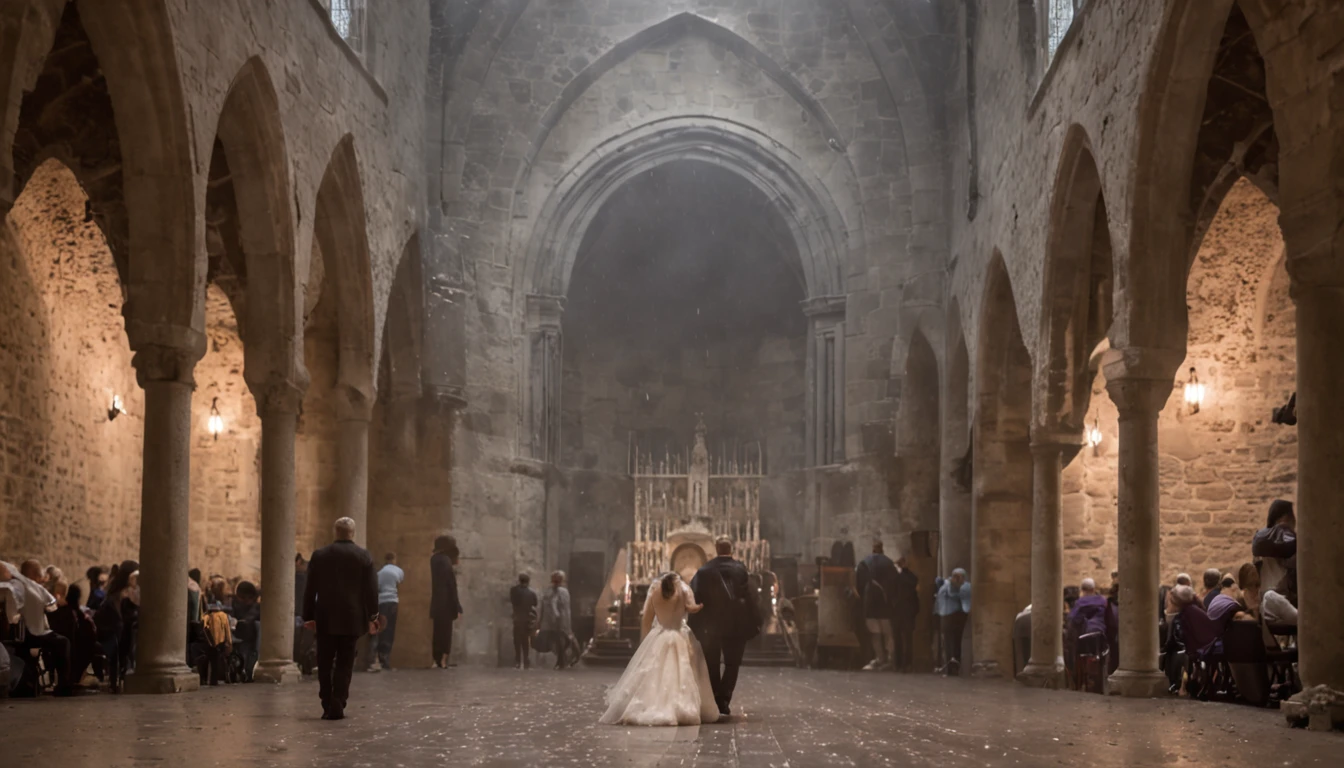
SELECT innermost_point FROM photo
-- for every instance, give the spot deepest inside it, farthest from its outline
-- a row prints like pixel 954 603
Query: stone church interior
pixel 992 338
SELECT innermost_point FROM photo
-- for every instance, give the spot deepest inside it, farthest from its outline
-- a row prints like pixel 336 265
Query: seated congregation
pixel 1231 639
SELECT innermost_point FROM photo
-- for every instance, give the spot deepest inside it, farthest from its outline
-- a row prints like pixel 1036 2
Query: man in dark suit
pixel 730 618
pixel 340 602
pixel 444 606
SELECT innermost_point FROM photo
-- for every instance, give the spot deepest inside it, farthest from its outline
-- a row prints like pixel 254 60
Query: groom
pixel 730 618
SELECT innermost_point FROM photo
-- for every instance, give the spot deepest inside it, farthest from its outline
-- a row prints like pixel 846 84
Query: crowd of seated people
pixel 1235 638
pixel 68 638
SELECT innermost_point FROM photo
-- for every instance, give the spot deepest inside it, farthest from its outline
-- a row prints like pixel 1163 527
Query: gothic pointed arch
pixel 251 137
pixel 822 236
pixel 341 235
pixel 681 24
pixel 1076 289
pixel 134 43
pixel 1002 490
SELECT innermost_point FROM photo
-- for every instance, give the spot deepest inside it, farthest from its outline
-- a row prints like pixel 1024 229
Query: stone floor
pixel 796 718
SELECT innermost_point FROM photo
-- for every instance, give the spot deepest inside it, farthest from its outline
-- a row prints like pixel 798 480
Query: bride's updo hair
pixel 669 585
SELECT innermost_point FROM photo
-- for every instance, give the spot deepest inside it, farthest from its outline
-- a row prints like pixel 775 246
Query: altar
pixel 684 501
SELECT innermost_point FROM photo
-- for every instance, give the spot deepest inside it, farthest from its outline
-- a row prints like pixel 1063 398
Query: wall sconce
pixel 216 422
pixel 116 408
pixel 1094 434
pixel 1194 392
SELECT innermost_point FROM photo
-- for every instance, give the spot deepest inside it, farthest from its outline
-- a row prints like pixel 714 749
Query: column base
pixel 1138 683
pixel 166 680
pixel 277 672
pixel 1052 676
pixel 986 670
pixel 1320 708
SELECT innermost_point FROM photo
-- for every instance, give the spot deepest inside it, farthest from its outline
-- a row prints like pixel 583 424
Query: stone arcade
pixel 946 266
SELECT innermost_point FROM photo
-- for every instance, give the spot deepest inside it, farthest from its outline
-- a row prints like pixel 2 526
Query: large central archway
pixel 820 238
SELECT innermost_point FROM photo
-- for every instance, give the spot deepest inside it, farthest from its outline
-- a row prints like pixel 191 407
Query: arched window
pixel 348 16
pixel 1059 17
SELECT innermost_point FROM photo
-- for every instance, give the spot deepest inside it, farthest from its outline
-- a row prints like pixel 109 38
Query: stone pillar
pixel 1320 486
pixel 825 429
pixel 278 403
pixel 1046 666
pixel 545 342
pixel 165 374
pixel 352 491
pixel 1139 400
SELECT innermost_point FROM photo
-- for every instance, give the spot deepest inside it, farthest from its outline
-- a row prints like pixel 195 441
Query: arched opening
pixel 919 454
pixel 73 424
pixel 332 444
pixel 410 462
pixel 685 303
pixel 954 516
pixel 74 412
pixel 225 529
pixel 1078 314
pixel 1002 496
pixel 918 442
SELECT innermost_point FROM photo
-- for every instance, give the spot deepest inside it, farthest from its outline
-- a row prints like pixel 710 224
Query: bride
pixel 667 680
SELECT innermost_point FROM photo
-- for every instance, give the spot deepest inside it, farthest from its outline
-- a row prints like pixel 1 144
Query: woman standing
pixel 444 605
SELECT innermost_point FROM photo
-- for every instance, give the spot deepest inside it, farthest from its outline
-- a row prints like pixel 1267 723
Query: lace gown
pixel 667 680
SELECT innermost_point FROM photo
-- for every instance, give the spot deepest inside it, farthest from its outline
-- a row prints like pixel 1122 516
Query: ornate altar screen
pixel 684 501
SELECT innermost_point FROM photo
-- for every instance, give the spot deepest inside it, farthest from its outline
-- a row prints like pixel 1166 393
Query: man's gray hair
pixel 345 525
pixel 1088 585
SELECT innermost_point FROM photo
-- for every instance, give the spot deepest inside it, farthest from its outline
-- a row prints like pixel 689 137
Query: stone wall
pixel 72 493
pixel 1222 466
pixel 71 476
pixel 225 531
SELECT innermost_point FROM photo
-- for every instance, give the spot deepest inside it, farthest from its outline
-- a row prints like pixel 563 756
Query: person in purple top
pixel 1093 613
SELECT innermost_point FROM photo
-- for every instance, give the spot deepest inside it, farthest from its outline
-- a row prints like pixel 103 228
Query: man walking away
pixel 905 611
pixel 444 605
pixel 524 601
pixel 389 578
pixel 729 620
pixel 875 580
pixel 340 602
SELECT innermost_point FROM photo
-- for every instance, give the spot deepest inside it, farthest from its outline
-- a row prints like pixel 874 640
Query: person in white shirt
pixel 34 602
pixel 390 577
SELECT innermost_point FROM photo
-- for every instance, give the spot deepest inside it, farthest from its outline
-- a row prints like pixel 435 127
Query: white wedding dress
pixel 667 680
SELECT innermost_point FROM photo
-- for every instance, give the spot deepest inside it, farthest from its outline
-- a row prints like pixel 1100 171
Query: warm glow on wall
pixel 216 422
pixel 1094 434
pixel 1194 392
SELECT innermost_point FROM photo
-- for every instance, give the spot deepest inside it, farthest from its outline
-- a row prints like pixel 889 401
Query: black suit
pixel 444 607
pixel 718 625
pixel 341 595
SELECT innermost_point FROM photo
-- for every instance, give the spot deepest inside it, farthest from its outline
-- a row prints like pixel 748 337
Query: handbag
pixel 745 622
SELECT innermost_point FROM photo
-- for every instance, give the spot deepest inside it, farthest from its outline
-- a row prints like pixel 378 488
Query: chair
pixel 1247 661
pixel 1090 662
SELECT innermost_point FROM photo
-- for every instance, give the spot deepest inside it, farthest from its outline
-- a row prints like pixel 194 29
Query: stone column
pixel 1139 401
pixel 1046 667
pixel 165 374
pixel 352 491
pixel 545 342
pixel 825 371
pixel 1320 486
pixel 278 403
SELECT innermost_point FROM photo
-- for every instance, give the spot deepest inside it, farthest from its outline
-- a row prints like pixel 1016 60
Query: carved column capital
pixel 157 362
pixel 1139 398
pixel 353 404
pixel 282 395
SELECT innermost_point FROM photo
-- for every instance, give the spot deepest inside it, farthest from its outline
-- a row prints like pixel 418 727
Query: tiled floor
pixel 466 716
